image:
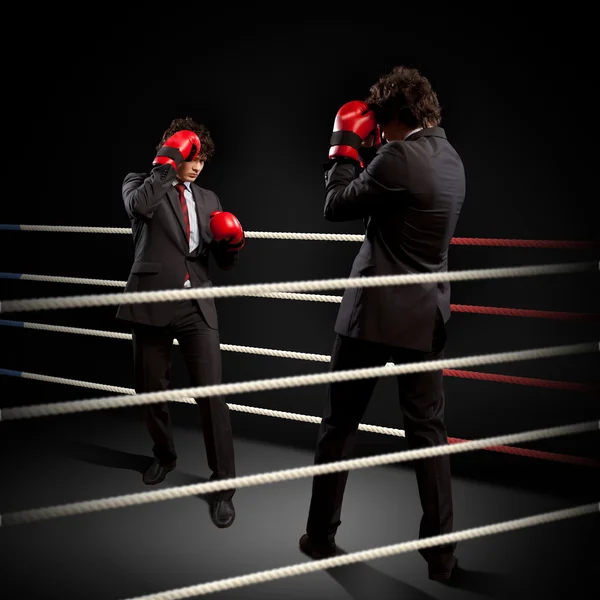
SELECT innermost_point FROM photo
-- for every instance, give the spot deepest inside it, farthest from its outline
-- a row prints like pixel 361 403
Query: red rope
pixel 499 242
pixel 565 458
pixel 545 383
pixel 523 312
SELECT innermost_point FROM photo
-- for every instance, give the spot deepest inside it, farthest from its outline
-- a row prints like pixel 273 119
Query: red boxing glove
pixel 353 124
pixel 181 146
pixel 225 227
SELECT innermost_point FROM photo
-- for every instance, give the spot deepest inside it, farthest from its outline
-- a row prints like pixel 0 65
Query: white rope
pixel 74 229
pixel 265 235
pixel 312 237
pixel 115 283
pixel 87 506
pixel 224 347
pixel 252 410
pixel 84 384
pixel 367 555
pixel 279 414
pixel 75 330
pixel 292 286
pixel 76 280
pixel 278 353
pixel 261 385
pixel 302 297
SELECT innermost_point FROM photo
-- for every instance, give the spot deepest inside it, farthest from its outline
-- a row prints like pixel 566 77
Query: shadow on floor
pixel 493 585
pixel 105 457
pixel 364 582
pixel 117 459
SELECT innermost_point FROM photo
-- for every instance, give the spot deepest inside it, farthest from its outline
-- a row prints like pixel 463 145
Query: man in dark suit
pixel 176 226
pixel 409 195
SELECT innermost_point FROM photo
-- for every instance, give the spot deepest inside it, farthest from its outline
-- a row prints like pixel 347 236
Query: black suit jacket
pixel 410 196
pixel 162 255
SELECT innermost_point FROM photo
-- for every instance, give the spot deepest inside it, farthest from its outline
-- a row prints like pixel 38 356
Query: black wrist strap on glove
pixel 226 245
pixel 172 153
pixel 345 138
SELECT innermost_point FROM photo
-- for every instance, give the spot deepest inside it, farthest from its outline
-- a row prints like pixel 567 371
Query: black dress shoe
pixel 222 513
pixel 317 548
pixel 444 575
pixel 157 472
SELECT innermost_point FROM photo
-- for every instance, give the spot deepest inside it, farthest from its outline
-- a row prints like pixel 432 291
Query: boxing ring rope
pixel 539 454
pixel 244 290
pixel 323 237
pixel 476 375
pixel 87 506
pixel 367 555
pixel 78 508
pixel 288 291
pixel 262 385
pixel 459 308
pixel 292 286
pixel 253 410
pixel 266 412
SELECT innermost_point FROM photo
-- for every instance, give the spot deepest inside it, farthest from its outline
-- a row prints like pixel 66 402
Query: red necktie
pixel 186 216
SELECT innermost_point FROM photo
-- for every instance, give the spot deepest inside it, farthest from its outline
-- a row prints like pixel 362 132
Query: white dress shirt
pixel 413 131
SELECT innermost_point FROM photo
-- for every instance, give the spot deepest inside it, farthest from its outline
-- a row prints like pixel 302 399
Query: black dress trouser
pixel 421 398
pixel 200 347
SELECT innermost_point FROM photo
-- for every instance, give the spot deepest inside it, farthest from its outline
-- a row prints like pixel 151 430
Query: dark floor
pixel 129 552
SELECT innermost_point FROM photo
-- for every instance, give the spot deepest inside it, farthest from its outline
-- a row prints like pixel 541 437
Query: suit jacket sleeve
pixel 142 194
pixel 224 258
pixel 349 198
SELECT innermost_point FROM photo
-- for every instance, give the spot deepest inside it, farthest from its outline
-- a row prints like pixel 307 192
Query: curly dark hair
pixel 207 149
pixel 406 95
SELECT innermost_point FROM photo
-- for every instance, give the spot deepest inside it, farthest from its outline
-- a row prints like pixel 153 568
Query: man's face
pixel 188 171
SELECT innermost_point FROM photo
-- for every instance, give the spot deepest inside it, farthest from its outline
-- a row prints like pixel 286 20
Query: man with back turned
pixel 409 191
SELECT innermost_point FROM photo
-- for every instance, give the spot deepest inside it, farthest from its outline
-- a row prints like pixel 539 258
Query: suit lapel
pixel 173 196
pixel 197 196
pixel 197 201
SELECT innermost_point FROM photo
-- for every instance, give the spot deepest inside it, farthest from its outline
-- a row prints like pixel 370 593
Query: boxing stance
pixel 409 192
pixel 177 225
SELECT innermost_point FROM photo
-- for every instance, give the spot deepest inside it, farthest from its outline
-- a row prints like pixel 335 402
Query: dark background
pixel 88 103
